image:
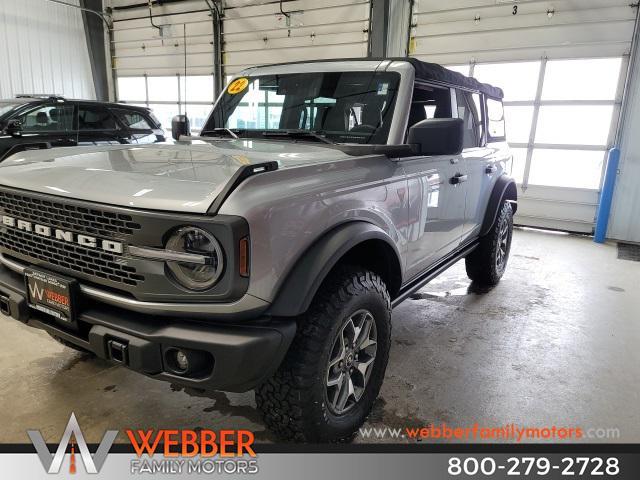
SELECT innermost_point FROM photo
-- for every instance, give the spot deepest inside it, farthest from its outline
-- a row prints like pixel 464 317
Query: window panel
pixel 518 80
pixel 93 118
pixel 479 120
pixel 48 119
pixel 197 114
pixel 468 113
pixel 577 125
pixel 197 88
pixel 518 164
pixel 566 168
pixel 255 94
pixel 518 121
pixel 133 120
pixel 326 103
pixel 163 89
pixel 273 116
pixel 131 89
pixel 495 114
pixel 164 114
pixel 588 79
pixel 243 117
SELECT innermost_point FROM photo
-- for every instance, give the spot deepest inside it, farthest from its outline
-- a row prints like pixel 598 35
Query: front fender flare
pixel 303 281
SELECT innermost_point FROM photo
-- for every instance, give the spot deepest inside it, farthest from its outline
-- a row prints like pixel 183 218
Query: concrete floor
pixel 556 343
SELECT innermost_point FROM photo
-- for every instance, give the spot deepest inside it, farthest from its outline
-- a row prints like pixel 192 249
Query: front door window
pixel 50 118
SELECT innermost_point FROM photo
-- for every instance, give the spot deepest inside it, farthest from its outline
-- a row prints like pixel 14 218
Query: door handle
pixel 454 161
pixel 490 169
pixel 458 178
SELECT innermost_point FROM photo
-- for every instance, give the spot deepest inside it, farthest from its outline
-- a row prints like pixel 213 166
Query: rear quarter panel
pixel 479 193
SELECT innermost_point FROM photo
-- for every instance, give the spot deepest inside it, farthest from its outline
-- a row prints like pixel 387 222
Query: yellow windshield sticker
pixel 237 86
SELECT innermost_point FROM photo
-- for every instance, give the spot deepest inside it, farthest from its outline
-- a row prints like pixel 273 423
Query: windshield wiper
pixel 298 134
pixel 220 130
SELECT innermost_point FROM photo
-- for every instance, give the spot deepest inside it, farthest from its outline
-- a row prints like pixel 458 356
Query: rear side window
pixel 495 112
pixel 155 120
pixel 477 103
pixel 133 120
pixel 91 117
pixel 469 113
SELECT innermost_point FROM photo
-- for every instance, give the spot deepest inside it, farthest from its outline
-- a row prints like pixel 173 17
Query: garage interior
pixel 555 343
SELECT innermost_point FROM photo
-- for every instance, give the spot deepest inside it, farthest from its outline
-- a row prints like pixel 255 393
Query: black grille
pixel 68 217
pixel 67 255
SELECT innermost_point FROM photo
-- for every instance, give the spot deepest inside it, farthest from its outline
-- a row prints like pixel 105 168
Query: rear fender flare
pixel 504 189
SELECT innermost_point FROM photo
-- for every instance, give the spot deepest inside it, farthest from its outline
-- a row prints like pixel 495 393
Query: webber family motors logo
pixel 177 451
pixel 53 463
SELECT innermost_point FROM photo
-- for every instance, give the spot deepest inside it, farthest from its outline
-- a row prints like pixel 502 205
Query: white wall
pixel 625 217
pixel 43 50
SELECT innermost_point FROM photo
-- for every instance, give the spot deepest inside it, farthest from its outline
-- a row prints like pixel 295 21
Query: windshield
pixel 6 107
pixel 349 107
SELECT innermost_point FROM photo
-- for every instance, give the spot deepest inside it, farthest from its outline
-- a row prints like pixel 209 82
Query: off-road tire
pixel 294 402
pixel 482 264
pixel 70 345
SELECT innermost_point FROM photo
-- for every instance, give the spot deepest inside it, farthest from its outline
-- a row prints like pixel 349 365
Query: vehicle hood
pixel 180 177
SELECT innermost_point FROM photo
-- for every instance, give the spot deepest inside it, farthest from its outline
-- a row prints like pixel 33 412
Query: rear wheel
pixel 488 262
pixel 332 374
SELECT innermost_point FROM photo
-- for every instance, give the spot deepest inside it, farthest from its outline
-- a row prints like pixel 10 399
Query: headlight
pixel 205 270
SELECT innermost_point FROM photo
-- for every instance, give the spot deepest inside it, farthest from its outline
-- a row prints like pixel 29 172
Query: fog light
pixel 189 363
pixel 182 362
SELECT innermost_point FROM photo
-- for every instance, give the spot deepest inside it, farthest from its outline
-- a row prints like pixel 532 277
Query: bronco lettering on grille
pixel 63 235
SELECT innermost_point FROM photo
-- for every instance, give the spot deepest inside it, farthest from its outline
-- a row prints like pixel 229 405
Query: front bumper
pixel 247 307
pixel 237 357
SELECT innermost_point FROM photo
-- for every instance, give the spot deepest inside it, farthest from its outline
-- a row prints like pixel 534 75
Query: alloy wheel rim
pixel 351 362
pixel 503 246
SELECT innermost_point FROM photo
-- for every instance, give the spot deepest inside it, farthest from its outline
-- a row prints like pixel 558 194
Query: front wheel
pixel 487 263
pixel 332 374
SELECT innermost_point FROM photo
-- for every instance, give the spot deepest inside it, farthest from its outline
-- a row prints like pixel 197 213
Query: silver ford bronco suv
pixel 268 252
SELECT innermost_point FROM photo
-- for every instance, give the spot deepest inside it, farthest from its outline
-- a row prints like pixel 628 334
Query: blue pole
pixel 606 197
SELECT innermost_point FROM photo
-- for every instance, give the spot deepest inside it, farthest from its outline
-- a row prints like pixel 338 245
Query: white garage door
pixel 310 30
pixel 150 64
pixel 561 65
pixel 151 67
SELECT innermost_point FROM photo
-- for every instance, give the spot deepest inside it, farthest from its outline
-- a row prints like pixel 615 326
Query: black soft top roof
pixel 424 71
pixel 434 72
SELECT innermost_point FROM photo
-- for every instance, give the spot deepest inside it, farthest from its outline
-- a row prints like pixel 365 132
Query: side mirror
pixel 180 127
pixel 438 136
pixel 14 127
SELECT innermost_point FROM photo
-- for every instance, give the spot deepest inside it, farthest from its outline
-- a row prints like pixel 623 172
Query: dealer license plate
pixel 51 294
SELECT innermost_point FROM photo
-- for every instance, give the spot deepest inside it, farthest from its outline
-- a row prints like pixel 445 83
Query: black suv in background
pixel 38 122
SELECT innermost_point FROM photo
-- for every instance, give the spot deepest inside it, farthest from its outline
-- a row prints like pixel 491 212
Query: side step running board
pixel 425 278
